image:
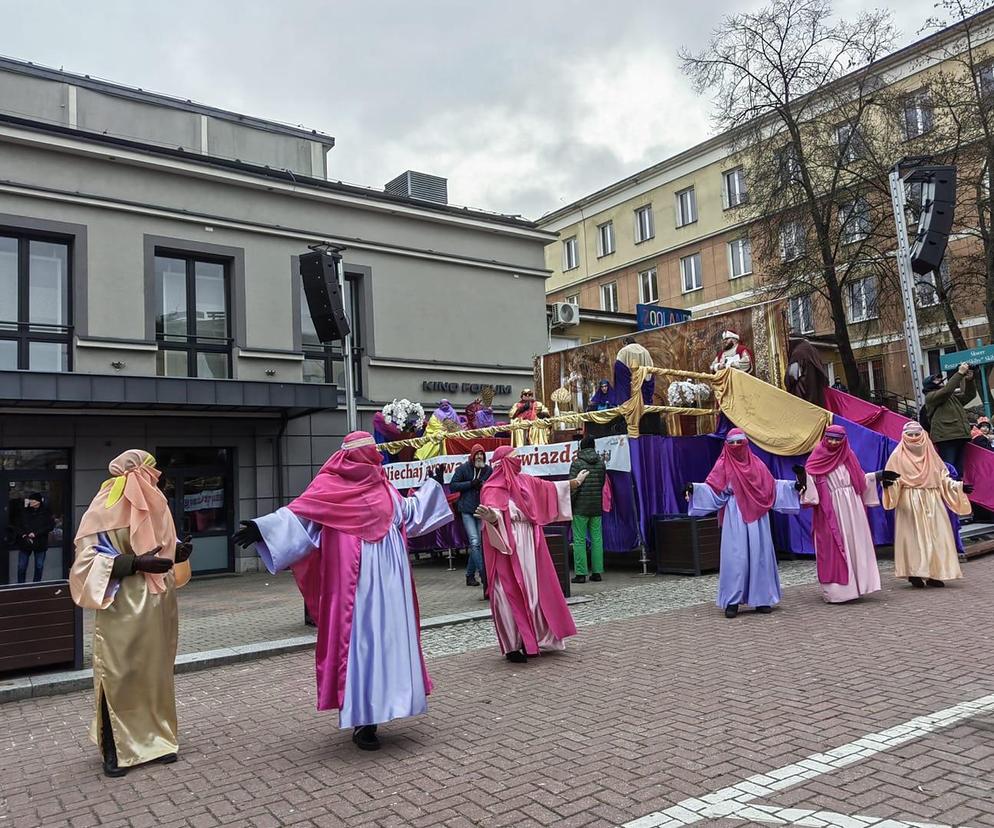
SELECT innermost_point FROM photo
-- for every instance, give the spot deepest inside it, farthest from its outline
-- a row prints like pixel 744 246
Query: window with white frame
pixel 739 258
pixel 690 272
pixel 789 165
pixel 686 207
pixel 850 142
pixel 571 253
pixel 917 115
pixel 733 191
pixel 926 295
pixel 791 241
pixel 799 314
pixel 985 80
pixel 605 238
pixel 609 296
pixel 573 300
pixel 644 227
pixel 854 221
pixel 862 299
pixel 648 289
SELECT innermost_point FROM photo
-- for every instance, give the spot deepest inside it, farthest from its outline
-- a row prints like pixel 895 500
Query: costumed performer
pixel 345 538
pixel 733 354
pixel 603 398
pixel 920 491
pixel 128 566
pixel 806 375
pixel 529 611
pixel 631 356
pixel 528 408
pixel 443 419
pixel 839 491
pixel 743 492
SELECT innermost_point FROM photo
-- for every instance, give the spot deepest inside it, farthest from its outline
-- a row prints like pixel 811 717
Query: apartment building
pixel 677 234
pixel 149 297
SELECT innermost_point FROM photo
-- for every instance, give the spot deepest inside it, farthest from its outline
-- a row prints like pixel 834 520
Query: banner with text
pixel 542 461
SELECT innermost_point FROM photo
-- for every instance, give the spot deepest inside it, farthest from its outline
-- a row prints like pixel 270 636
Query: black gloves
pixel 477 483
pixel 967 488
pixel 150 562
pixel 887 478
pixel 184 549
pixel 688 489
pixel 437 474
pixel 802 477
pixel 248 534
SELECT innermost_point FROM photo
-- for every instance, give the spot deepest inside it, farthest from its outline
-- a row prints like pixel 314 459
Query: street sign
pixel 984 355
pixel 653 316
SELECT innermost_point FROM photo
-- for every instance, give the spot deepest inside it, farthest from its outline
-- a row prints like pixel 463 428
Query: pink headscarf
pixel 831 557
pixel 740 470
pixel 351 493
pixel 916 460
pixel 535 499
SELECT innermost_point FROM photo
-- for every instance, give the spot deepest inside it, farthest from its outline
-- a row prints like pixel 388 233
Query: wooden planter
pixel 686 545
pixel 40 627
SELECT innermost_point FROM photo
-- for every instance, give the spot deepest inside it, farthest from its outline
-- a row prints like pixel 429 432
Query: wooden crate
pixel 40 627
pixel 557 538
pixel 686 545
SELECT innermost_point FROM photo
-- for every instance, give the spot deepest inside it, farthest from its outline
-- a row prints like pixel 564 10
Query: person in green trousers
pixel 588 508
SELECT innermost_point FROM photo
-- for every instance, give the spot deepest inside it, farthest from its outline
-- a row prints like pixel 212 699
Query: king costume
pixel 345 539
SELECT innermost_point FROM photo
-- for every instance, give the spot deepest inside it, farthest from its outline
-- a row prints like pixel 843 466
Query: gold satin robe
pixel 537 435
pixel 924 546
pixel 134 650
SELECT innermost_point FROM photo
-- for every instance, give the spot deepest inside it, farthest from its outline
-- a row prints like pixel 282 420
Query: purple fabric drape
pixel 450 536
pixel 619 524
pixel 623 384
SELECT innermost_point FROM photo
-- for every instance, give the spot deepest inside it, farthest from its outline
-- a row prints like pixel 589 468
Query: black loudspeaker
pixel 324 297
pixel 936 222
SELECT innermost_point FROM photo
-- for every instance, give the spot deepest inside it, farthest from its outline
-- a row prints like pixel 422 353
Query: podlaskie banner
pixel 542 461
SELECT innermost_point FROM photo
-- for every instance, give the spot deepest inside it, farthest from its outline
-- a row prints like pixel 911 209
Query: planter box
pixel 686 545
pixel 40 627
pixel 557 539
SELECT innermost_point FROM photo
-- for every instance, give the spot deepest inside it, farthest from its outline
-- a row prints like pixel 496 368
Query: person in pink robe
pixel 839 491
pixel 345 539
pixel 529 611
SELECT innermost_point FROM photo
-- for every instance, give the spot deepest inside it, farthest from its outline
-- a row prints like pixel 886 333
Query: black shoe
pixel 112 770
pixel 580 579
pixel 917 583
pixel 517 657
pixel 365 737
pixel 764 610
pixel 596 577
pixel 471 581
pixel 731 610
pixel 935 582
pixel 168 759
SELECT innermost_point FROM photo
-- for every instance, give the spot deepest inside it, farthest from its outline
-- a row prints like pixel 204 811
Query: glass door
pixel 198 485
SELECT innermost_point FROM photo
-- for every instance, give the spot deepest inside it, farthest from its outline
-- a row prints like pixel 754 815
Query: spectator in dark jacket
pixel 468 479
pixel 588 507
pixel 31 536
pixel 949 426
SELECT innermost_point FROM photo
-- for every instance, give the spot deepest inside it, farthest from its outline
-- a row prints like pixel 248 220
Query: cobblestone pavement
pixel 658 701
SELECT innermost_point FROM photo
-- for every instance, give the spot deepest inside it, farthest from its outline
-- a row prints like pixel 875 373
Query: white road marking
pixel 694 810
pixel 776 815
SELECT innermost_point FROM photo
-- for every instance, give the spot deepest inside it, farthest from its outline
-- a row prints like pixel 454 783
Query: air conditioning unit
pixel 565 315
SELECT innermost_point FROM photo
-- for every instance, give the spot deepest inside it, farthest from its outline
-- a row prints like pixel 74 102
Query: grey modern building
pixel 149 297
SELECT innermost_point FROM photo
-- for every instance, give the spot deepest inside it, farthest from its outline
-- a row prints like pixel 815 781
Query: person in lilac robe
pixel 345 538
pixel 743 492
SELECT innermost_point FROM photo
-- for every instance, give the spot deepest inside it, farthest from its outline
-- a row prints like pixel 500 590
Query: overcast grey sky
pixel 523 106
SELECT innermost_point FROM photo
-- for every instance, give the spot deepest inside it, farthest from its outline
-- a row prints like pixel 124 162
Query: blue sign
pixel 983 355
pixel 653 316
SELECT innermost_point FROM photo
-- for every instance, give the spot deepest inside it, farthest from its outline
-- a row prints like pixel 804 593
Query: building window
pixel 850 142
pixel 934 355
pixel 605 239
pixel 571 253
pixel 799 314
pixel 871 373
pixel 609 296
pixel 739 258
pixel 733 190
pixel 35 312
pixel 854 221
pixel 862 300
pixel 648 288
pixel 686 207
pixel 573 300
pixel 644 227
pixel 192 322
pixel 926 294
pixel 325 363
pixel 788 165
pixel 690 271
pixel 917 115
pixel 791 241
pixel 985 81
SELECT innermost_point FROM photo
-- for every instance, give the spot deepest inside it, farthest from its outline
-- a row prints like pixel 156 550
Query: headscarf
pixel 533 499
pixel 351 493
pixel 131 500
pixel 801 351
pixel 750 481
pixel 916 459
pixel 475 450
pixel 603 399
pixel 831 560
pixel 445 411
pixel 531 413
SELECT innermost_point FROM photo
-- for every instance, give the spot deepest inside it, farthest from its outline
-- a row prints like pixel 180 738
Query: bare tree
pixel 811 123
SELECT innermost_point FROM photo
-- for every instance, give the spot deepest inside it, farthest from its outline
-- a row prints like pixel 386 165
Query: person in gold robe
pixel 529 409
pixel 924 548
pixel 128 566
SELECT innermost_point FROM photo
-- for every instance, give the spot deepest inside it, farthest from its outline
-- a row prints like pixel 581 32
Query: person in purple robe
pixel 603 398
pixel 345 539
pixel 743 492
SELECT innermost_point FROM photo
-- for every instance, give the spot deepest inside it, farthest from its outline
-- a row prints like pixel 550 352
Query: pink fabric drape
pixel 740 470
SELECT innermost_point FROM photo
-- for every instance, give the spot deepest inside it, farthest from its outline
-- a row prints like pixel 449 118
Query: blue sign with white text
pixel 653 316
pixel 984 355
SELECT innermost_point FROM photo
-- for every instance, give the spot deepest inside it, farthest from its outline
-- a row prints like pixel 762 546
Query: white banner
pixel 542 461
pixel 208 499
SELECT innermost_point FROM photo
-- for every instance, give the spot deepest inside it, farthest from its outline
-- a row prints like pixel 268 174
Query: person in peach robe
pixel 920 493
pixel 839 491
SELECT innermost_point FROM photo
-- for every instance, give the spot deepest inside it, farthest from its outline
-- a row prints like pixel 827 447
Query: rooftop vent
pixel 421 186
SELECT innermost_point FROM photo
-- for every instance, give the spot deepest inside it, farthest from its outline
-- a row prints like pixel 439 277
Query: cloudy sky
pixel 524 105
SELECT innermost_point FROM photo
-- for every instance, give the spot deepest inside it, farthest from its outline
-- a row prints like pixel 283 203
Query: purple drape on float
pixel 620 533
pixel 450 536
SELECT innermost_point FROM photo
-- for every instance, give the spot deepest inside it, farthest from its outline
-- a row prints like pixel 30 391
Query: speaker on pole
pixel 936 222
pixel 319 275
